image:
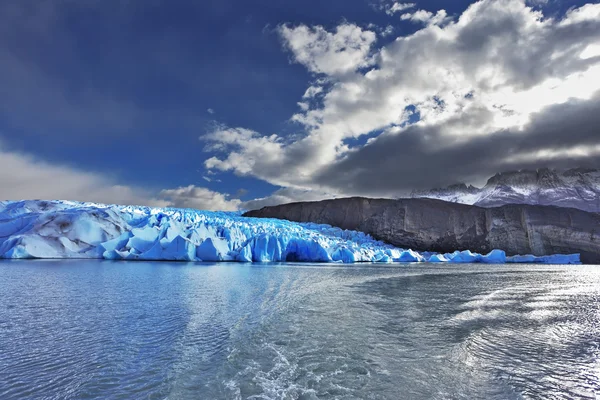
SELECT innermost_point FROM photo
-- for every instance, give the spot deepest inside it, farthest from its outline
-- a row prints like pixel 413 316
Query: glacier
pixel 68 229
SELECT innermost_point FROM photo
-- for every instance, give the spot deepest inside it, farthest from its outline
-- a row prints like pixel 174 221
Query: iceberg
pixel 67 229
pixel 437 258
pixel 466 256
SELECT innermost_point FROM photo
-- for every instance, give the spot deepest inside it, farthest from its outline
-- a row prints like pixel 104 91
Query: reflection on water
pixel 97 329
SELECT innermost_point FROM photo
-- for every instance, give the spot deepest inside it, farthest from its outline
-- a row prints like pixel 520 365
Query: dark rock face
pixel 435 225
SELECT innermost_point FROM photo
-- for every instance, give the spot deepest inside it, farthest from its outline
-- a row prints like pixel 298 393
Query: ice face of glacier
pixel 64 229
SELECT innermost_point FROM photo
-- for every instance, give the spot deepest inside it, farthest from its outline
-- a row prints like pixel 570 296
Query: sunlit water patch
pixel 97 329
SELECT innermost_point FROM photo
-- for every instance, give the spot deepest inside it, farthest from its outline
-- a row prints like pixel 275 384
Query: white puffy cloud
pixel 199 198
pixel 492 68
pixel 246 150
pixel 426 17
pixel 397 7
pixel 588 12
pixel 335 53
pixel 312 91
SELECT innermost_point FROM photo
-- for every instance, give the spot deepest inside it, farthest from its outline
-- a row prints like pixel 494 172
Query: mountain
pixel 434 225
pixel 575 188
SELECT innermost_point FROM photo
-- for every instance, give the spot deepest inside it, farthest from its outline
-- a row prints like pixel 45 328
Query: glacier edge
pixel 67 229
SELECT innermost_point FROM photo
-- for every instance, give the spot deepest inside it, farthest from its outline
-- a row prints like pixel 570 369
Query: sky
pixel 227 105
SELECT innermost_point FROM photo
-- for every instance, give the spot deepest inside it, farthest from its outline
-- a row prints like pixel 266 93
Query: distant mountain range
pixel 575 188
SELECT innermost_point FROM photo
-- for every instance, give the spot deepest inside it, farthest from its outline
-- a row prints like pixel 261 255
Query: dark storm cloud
pixel 422 157
pixel 527 55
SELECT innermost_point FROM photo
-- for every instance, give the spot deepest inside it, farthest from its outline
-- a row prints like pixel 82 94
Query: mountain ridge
pixel 574 188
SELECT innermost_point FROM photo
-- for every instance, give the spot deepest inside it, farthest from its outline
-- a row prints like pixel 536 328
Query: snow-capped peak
pixel 576 188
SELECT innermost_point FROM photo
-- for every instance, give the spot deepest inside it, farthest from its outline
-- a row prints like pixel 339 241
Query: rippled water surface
pixel 125 330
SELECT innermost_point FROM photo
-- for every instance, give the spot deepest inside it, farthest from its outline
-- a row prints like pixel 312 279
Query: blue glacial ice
pixel 65 229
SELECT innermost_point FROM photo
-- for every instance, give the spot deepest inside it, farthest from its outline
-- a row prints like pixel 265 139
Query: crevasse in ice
pixel 65 229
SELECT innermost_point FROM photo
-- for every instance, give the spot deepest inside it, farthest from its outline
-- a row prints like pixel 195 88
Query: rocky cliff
pixel 435 225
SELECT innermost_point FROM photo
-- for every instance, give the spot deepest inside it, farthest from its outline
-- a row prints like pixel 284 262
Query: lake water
pixel 132 330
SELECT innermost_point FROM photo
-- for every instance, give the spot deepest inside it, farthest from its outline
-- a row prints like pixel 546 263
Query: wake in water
pixel 542 341
pixel 92 329
pixel 410 335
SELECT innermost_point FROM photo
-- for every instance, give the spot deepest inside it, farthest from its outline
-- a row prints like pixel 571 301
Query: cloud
pixel 312 91
pixel 389 30
pixel 400 160
pixel 382 31
pixel 245 150
pixel 209 179
pixel 426 17
pixel 199 198
pixel 397 7
pixel 285 195
pixel 490 73
pixel 328 53
pixel 210 111
pixel 24 177
pixel 587 13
